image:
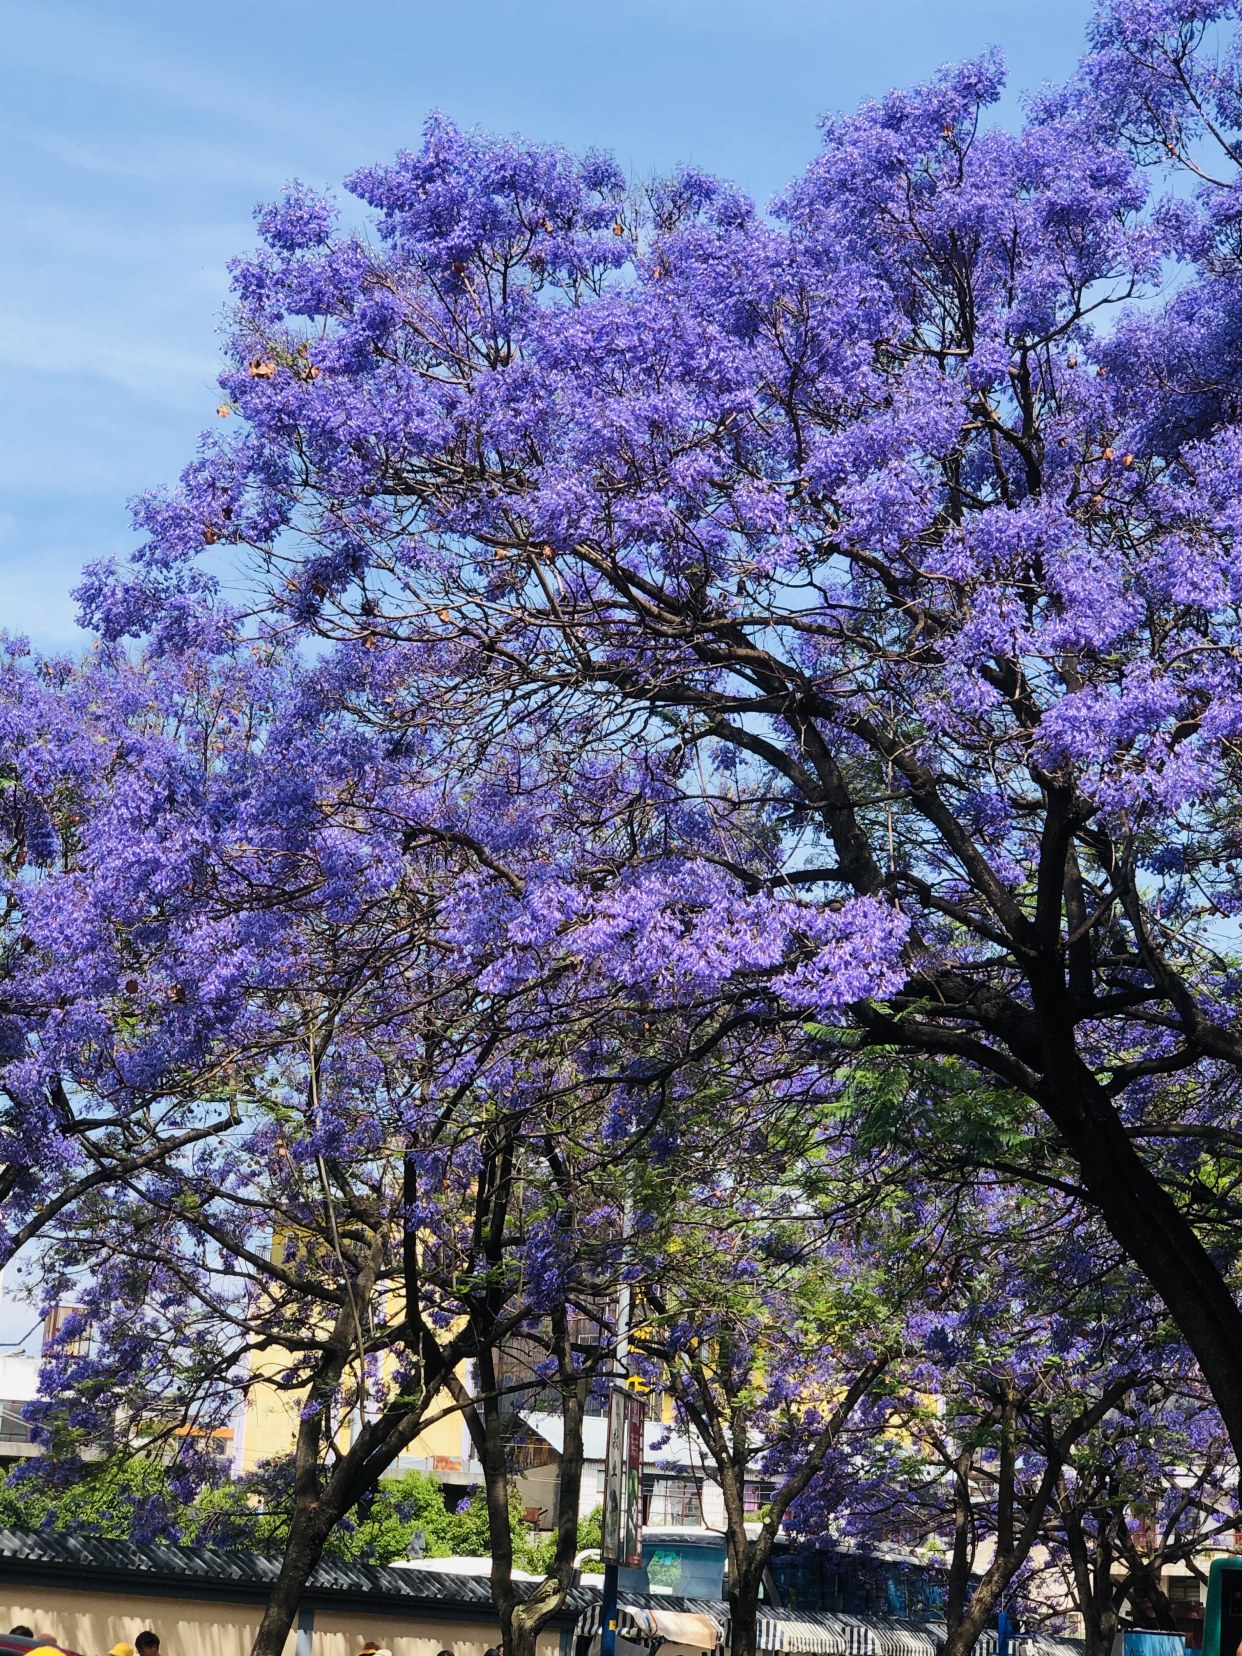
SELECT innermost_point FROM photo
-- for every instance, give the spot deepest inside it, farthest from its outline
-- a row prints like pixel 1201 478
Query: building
pixel 678 1485
pixel 265 1427
pixel 19 1385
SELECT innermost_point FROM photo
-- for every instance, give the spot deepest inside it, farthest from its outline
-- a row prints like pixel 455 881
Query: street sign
pixel 614 1479
pixel 632 1541
pixel 621 1531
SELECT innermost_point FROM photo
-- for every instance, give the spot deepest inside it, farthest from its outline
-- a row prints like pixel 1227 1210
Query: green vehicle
pixel 1222 1621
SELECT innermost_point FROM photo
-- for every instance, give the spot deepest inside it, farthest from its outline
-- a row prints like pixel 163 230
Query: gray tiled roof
pixel 220 1570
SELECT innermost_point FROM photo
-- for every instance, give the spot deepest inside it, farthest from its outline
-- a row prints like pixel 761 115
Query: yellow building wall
pixel 92 1622
pixel 271 1421
pixel 271 1429
pixel 271 1426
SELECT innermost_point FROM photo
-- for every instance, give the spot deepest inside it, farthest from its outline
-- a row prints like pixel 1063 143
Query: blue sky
pixel 138 134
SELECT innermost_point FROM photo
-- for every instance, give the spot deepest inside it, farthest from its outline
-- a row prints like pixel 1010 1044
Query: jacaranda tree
pixel 1150 1488
pixel 898 525
pixel 784 1293
pixel 430 1100
pixel 1045 1348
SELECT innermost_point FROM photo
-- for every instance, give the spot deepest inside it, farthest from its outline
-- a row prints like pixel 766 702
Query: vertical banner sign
pixel 633 1538
pixel 621 1537
pixel 614 1478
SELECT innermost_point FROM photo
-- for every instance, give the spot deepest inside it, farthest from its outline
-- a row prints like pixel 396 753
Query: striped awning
pixel 832 1634
pixel 808 1633
pixel 1026 1644
pixel 885 1636
pixel 783 1630
pixel 641 1625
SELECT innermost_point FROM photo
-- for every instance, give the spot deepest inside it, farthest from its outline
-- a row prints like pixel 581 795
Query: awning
pixel 787 1630
pixel 832 1634
pixel 641 1625
pixel 683 1627
pixel 1026 1644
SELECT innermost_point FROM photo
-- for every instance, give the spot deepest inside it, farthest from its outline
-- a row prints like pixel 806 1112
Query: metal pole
pixel 608 1610
pixel 1004 1634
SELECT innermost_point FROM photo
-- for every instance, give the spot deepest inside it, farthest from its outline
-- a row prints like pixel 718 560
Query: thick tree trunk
pixel 1092 1585
pixel 320 1503
pixel 316 1515
pixel 963 1636
pixel 524 1619
pixel 963 1549
pixel 308 1535
pixel 1143 1218
pixel 519 1637
pixel 1100 1632
pixel 744 1621
pixel 974 1613
pixel 1150 1603
pixel 312 1518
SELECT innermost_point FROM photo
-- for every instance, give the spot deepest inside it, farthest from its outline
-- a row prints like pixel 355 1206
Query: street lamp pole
pixel 618 1425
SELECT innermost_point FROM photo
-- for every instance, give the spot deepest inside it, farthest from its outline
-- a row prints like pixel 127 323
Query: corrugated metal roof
pixel 221 1569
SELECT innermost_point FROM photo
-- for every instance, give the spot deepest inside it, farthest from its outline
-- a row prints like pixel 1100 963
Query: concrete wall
pixel 92 1622
pixel 343 1634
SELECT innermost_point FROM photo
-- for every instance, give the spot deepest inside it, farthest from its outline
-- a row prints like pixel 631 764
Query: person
pixel 444 1653
pixel 121 1649
pixel 147 1643
pixel 21 1632
pixel 371 1648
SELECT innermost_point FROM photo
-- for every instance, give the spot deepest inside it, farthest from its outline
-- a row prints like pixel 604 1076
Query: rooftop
pixel 218 1572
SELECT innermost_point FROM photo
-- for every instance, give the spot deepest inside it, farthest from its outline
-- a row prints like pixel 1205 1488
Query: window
pixel 674 1501
pixel 1182 1589
pixel 13 1429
